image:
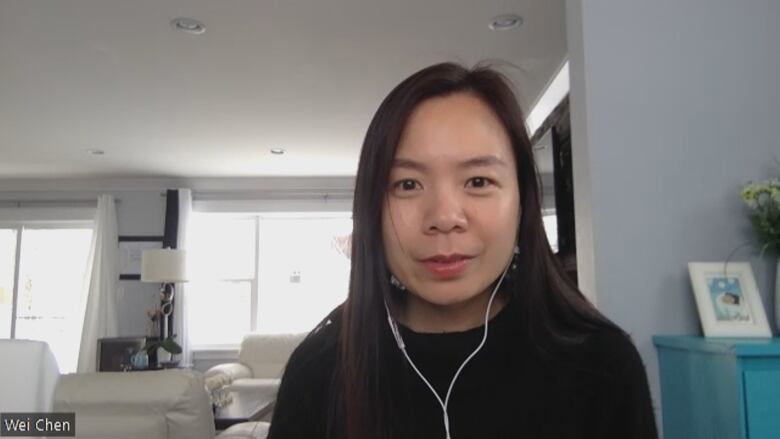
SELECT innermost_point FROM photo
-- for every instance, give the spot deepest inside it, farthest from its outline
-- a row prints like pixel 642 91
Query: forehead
pixel 453 128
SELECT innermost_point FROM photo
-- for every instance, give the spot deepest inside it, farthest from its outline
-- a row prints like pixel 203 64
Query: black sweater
pixel 597 389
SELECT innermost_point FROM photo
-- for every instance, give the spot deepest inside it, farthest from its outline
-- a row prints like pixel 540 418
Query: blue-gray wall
pixel 675 105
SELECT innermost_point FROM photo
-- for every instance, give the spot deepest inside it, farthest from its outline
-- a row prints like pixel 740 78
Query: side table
pixel 245 406
pixel 719 387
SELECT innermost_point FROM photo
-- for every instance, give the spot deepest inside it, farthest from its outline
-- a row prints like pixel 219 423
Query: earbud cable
pixel 399 340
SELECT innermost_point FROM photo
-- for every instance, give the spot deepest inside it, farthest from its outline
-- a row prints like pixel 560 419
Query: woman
pixel 459 321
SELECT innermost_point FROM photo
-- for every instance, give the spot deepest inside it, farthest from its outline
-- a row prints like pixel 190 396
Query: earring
pixel 396 283
pixel 515 255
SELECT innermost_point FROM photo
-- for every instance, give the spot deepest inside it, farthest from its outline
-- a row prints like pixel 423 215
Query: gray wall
pixel 675 105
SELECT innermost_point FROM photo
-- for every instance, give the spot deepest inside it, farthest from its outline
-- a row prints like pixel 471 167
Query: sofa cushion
pixel 169 404
pixel 232 371
pixel 246 430
pixel 106 425
pixel 28 376
pixel 264 385
pixel 267 354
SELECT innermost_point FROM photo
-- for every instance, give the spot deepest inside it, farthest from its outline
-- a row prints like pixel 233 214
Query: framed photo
pixel 130 250
pixel 114 353
pixel 728 300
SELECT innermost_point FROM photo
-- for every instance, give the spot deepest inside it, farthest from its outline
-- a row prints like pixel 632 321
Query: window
pixel 222 262
pixel 551 229
pixel 304 271
pixel 7 270
pixel 266 273
pixel 42 275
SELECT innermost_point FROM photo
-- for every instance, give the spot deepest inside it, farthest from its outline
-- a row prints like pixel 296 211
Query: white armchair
pixel 261 361
pixel 167 404
pixel 28 375
pixel 170 404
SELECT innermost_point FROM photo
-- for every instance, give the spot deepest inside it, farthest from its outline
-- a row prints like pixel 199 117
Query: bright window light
pixel 7 268
pixel 219 311
pixel 52 271
pixel 304 271
pixel 222 247
pixel 551 229
pixel 551 97
pixel 221 253
pixel 279 272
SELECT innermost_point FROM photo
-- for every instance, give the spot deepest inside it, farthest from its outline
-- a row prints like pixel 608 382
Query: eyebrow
pixel 484 160
pixel 480 161
pixel 408 164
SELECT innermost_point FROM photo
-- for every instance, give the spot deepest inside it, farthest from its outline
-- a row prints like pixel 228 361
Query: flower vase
pixel 140 360
pixel 163 356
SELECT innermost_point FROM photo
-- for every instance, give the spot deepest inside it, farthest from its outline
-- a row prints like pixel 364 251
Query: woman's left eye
pixel 478 182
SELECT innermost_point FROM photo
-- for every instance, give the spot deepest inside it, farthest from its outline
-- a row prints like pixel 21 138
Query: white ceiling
pixel 301 75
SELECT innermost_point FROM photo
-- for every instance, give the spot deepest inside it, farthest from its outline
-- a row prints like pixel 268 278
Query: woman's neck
pixel 422 316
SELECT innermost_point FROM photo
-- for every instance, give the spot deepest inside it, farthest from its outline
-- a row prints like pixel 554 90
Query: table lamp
pixel 165 266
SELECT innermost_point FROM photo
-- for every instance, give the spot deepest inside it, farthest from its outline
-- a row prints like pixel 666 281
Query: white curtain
pixel 101 314
pixel 180 311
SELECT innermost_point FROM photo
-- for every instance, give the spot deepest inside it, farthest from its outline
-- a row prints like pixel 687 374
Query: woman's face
pixel 452 209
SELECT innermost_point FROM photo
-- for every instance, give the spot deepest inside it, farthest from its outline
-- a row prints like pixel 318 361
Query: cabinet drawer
pixel 762 403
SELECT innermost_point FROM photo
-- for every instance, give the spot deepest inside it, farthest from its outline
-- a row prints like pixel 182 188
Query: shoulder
pixel 603 366
pixel 611 345
pixel 304 393
pixel 621 405
pixel 314 359
pixel 592 358
pixel 608 353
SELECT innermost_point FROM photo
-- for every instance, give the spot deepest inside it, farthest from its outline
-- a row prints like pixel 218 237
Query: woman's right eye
pixel 406 185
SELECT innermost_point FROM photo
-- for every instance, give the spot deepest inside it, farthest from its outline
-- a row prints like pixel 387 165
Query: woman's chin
pixel 446 296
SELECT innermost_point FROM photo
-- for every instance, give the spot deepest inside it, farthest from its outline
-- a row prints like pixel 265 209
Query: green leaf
pixel 171 346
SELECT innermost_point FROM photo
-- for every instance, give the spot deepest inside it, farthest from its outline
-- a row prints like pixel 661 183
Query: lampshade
pixel 164 265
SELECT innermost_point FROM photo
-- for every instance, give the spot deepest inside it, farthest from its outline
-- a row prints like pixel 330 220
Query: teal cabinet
pixel 719 387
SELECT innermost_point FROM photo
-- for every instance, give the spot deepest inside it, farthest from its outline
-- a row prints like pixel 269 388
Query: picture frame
pixel 131 249
pixel 114 353
pixel 728 300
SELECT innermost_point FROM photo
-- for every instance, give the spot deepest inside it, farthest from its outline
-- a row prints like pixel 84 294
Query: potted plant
pixel 153 323
pixel 165 349
pixel 763 201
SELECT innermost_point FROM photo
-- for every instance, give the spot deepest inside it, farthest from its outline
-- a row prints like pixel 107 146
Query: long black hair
pixel 554 311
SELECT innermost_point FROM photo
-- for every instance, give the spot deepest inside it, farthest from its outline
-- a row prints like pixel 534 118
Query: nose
pixel 444 212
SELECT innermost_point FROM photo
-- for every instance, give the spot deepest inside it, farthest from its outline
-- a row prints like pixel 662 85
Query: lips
pixel 446 266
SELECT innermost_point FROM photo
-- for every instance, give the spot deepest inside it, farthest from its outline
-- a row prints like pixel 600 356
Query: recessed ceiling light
pixel 506 22
pixel 277 151
pixel 188 25
pixel 96 151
